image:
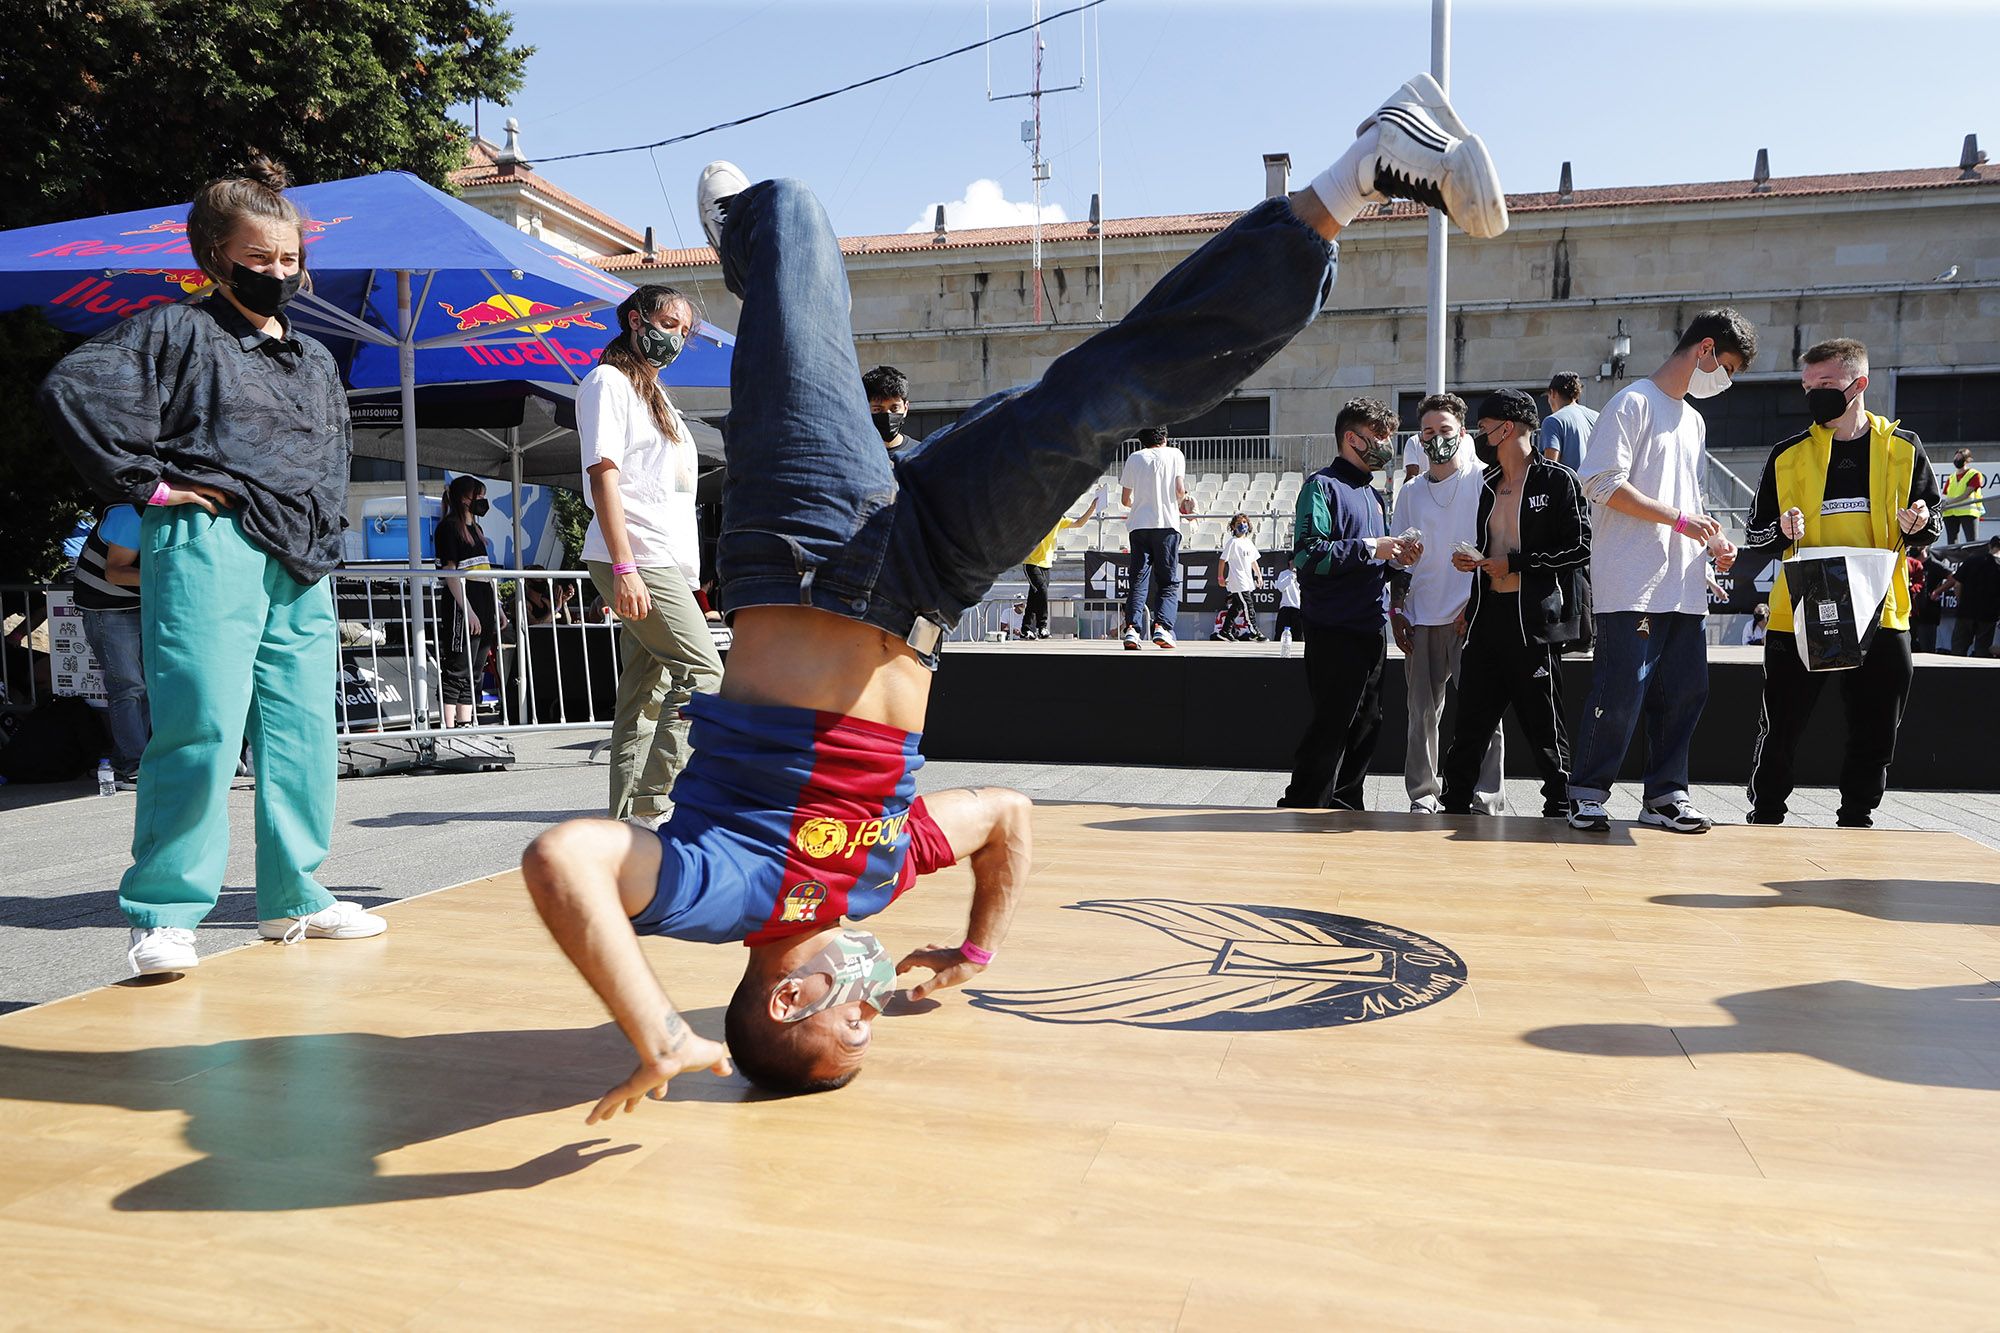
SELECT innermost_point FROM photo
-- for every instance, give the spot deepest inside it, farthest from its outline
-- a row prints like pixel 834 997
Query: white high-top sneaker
pixel 1424 152
pixel 720 182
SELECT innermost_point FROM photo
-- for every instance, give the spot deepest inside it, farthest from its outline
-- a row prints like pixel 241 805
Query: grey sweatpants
pixel 1429 668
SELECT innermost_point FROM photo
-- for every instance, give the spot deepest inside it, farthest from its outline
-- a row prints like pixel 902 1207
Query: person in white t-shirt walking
pixel 1242 574
pixel 1154 486
pixel 1649 555
pixel 1291 620
pixel 643 549
pixel 1425 601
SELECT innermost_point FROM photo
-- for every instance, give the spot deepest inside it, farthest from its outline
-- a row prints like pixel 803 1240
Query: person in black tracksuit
pixel 1526 603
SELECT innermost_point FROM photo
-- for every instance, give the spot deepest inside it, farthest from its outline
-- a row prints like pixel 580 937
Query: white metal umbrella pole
pixel 1434 332
pixel 413 509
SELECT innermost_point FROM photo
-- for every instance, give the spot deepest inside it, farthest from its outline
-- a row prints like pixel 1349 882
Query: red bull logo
pixel 169 226
pixel 520 313
pixel 189 280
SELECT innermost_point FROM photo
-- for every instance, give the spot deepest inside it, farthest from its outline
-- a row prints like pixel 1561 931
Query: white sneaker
pixel 719 183
pixel 161 949
pixel 342 921
pixel 1427 806
pixel 1424 152
pixel 1590 816
pixel 1163 637
pixel 1679 816
pixel 1132 637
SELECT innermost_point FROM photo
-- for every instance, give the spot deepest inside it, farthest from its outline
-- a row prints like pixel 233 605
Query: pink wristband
pixel 160 494
pixel 1680 521
pixel 974 954
pixel 624 567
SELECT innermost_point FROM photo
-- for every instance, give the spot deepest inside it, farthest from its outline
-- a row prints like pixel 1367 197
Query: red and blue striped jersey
pixel 785 821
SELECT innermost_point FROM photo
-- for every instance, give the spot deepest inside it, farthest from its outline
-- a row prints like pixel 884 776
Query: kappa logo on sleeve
pixel 827 839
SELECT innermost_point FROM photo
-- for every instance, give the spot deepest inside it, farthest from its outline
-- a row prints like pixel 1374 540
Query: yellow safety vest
pixel 1957 487
pixel 1801 472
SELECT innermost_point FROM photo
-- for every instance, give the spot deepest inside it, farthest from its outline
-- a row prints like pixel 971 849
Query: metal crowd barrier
pixel 24 609
pixel 555 665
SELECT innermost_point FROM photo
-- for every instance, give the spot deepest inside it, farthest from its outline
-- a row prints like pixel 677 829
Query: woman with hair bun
pixel 230 433
pixel 643 550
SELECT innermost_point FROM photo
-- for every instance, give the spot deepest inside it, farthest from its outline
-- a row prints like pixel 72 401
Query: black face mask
pixel 889 424
pixel 261 293
pixel 1484 450
pixel 1826 406
pixel 479 507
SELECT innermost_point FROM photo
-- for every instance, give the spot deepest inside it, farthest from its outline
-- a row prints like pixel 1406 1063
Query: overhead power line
pixel 820 97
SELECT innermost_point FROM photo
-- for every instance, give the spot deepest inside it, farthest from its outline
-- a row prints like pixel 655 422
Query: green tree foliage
pixel 572 525
pixel 111 105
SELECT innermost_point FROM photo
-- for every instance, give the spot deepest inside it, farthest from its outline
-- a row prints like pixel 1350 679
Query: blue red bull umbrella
pixel 409 286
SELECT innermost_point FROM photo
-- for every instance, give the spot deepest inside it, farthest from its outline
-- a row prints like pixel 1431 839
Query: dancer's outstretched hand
pixel 948 968
pixel 650 1079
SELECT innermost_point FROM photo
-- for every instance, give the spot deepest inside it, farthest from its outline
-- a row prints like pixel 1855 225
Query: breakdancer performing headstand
pixel 843 565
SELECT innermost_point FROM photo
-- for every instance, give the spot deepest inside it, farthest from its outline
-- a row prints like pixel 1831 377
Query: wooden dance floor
pixel 1233 1069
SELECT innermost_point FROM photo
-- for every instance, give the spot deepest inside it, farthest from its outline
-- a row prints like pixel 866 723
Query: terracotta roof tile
pixel 1179 224
pixel 483 170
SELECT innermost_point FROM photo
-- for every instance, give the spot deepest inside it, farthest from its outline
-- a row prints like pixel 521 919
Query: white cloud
pixel 985 205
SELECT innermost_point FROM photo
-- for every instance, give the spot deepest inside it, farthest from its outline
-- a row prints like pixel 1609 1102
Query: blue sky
pixel 1194 93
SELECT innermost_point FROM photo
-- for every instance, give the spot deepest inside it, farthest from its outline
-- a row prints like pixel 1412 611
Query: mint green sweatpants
pixel 231 640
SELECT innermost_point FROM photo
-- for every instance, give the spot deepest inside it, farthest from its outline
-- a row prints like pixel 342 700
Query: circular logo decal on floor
pixel 1250 968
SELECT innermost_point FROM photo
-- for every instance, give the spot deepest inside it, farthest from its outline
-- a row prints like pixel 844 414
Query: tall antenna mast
pixel 1031 133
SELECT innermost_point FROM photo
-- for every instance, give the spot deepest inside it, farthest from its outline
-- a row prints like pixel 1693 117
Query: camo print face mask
pixel 860 967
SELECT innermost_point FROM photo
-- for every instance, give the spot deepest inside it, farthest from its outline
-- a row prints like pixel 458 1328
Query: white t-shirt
pixel 1150 475
pixel 1654 442
pixel 1446 512
pixel 1241 555
pixel 656 476
pixel 1287 584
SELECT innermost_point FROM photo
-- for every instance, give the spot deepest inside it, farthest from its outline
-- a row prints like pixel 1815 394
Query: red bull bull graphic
pixel 189 280
pixel 502 310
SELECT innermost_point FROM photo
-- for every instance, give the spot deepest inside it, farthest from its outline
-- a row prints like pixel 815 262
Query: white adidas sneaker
pixel 1424 152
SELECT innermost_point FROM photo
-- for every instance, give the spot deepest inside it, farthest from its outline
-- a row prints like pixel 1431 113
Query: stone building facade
pixel 1907 261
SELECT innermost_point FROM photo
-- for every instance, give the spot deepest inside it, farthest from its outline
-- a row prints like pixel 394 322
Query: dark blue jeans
pixel 1155 578
pixel 1662 674
pixel 815 512
pixel 116 638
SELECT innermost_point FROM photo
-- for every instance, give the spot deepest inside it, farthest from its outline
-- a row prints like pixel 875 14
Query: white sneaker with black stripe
pixel 1678 815
pixel 720 182
pixel 1424 152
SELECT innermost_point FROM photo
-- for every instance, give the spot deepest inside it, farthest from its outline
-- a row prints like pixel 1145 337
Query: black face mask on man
pixel 261 293
pixel 888 424
pixel 1827 405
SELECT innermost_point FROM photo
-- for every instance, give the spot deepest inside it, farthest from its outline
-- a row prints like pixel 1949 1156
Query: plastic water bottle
pixel 107 783
pixel 1285 642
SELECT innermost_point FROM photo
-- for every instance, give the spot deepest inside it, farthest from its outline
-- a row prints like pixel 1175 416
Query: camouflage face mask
pixel 860 967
